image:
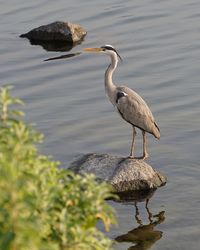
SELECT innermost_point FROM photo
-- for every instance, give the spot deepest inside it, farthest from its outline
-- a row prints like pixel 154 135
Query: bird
pixel 129 104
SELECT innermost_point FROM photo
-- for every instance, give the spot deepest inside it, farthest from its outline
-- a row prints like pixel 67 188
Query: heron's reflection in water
pixel 144 235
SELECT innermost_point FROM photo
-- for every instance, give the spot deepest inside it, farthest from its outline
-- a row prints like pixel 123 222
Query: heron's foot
pixel 134 157
pixel 145 156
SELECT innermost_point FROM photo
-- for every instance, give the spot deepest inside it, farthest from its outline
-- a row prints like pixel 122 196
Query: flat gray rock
pixel 57 31
pixel 123 174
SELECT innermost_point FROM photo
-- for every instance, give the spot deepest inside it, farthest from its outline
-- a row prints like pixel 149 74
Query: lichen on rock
pixel 123 174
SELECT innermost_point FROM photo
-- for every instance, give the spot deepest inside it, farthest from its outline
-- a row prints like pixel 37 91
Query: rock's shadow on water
pixel 132 197
pixel 58 46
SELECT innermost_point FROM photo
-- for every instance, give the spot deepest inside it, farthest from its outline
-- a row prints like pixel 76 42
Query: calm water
pixel 160 44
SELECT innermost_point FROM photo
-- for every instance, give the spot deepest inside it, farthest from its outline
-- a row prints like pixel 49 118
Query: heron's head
pixel 106 49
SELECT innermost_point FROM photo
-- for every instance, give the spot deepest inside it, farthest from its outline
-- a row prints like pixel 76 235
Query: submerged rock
pixel 57 31
pixel 123 174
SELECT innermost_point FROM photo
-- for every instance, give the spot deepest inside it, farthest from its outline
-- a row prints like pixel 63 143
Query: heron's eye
pixel 104 49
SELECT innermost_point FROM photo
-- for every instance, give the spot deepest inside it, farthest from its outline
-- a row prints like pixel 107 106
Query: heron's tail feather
pixel 156 131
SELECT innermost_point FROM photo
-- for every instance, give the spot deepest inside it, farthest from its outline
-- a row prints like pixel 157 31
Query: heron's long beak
pixel 93 49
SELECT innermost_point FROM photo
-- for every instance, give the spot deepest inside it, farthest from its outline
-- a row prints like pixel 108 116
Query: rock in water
pixel 57 31
pixel 123 174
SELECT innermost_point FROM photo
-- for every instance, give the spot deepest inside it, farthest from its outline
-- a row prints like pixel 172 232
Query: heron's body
pixel 135 111
pixel 130 105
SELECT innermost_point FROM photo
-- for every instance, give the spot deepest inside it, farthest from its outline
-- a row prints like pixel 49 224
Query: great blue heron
pixel 129 104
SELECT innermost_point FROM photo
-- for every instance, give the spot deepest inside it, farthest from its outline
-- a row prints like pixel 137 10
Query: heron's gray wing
pixel 134 109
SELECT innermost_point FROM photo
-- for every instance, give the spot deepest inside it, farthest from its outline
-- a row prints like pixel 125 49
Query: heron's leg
pixel 133 143
pixel 137 214
pixel 150 215
pixel 145 154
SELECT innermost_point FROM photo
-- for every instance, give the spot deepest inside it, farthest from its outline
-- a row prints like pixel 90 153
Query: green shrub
pixel 43 207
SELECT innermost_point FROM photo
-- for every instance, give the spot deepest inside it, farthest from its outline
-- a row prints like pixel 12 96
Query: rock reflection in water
pixel 145 235
pixel 58 46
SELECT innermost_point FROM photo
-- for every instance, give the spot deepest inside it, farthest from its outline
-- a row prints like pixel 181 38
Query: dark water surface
pixel 160 44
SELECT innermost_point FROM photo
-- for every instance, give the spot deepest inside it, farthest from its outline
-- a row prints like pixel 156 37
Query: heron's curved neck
pixel 109 85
